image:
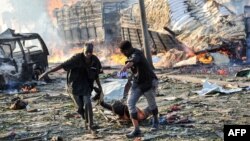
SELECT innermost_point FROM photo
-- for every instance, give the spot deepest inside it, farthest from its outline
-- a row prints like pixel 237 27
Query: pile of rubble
pixel 199 24
pixel 156 12
pixel 199 28
pixel 170 58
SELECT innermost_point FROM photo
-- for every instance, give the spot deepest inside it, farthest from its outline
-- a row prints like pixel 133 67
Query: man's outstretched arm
pixel 49 71
pixel 106 105
pixel 127 66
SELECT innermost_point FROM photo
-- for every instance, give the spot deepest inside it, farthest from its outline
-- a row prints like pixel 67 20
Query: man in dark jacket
pixel 78 86
pixel 144 83
pixel 94 66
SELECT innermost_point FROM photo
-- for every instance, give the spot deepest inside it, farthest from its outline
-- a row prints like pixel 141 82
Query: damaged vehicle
pixel 23 56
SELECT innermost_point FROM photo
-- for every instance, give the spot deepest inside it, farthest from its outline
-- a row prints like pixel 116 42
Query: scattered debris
pixel 220 134
pixel 18 104
pixel 170 98
pixel 243 73
pixel 72 115
pixel 175 108
pixel 113 89
pixel 178 112
pixel 209 88
pixel 8 136
pixel 173 118
pixel 220 59
pixel 56 138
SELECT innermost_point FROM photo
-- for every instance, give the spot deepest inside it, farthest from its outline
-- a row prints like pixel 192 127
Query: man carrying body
pixel 144 83
pixel 78 86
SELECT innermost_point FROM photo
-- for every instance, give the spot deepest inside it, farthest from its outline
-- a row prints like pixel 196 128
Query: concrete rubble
pixel 197 28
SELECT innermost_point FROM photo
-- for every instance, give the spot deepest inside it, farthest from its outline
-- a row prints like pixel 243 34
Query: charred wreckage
pixel 23 56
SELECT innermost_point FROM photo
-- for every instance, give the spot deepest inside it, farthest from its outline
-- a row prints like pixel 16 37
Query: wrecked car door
pixel 36 53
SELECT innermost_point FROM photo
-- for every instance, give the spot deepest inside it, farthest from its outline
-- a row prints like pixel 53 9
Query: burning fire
pixel 53 4
pixel 58 55
pixel 118 59
pixel 205 58
pixel 29 89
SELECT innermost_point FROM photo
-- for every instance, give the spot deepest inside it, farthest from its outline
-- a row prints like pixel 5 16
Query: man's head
pixel 125 48
pixel 118 108
pixel 89 49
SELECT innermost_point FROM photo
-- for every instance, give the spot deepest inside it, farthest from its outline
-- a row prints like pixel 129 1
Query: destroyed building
pixel 193 29
pixel 197 25
pixel 90 20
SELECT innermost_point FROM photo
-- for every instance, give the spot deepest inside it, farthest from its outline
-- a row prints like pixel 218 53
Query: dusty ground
pixel 56 115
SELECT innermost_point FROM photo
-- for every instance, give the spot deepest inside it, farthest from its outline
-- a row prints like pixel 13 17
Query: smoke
pixel 24 14
pixel 29 16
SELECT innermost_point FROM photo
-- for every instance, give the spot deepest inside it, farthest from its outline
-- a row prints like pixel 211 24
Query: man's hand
pixel 43 75
pixel 127 66
pixel 100 88
pixel 123 69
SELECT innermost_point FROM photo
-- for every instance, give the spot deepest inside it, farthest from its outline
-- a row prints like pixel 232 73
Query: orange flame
pixel 205 58
pixel 111 57
pixel 53 4
pixel 58 55
pixel 118 59
pixel 29 89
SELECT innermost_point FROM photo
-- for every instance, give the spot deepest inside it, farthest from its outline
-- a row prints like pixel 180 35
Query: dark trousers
pixel 84 108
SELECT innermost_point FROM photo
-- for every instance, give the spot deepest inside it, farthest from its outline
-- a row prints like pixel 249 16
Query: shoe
pixel 93 132
pixel 95 127
pixel 134 133
pixel 154 127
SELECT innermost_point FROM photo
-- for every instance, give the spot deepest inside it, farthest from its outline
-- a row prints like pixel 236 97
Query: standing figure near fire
pixel 144 83
pixel 94 67
pixel 79 86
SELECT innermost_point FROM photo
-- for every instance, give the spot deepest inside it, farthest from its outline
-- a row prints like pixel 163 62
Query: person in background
pixel 144 83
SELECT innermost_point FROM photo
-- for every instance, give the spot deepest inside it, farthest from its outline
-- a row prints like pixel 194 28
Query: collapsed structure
pixel 197 26
pixel 196 23
pixel 192 27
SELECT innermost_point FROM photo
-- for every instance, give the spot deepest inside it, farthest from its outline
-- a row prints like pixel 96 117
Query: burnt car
pixel 21 56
